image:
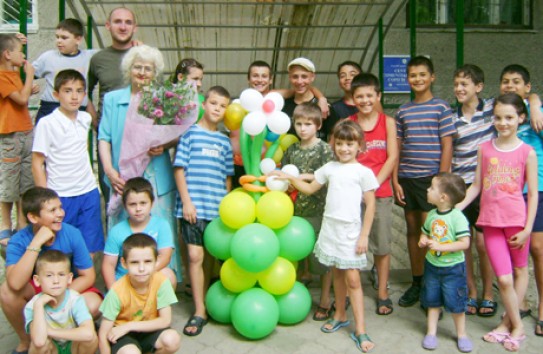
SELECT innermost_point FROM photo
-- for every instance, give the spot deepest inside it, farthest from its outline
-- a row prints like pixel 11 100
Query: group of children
pixel 347 188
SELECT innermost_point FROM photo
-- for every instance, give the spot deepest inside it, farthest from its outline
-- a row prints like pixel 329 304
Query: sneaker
pixel 429 342
pixel 410 297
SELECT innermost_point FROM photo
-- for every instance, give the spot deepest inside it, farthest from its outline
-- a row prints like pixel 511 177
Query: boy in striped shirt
pixel 425 130
pixel 203 169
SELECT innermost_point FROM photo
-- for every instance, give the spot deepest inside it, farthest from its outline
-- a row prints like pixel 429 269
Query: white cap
pixel 304 63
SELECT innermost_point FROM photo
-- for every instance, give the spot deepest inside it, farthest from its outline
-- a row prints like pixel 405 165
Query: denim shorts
pixel 445 286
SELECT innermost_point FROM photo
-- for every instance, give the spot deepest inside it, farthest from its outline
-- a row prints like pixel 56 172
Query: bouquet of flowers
pixel 159 114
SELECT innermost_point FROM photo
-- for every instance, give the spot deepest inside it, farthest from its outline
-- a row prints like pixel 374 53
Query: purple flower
pixel 156 100
pixel 158 113
pixel 145 107
pixel 169 94
pixel 178 121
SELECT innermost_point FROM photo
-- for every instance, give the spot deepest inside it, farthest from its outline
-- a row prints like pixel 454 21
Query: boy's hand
pixel 362 245
pixel 21 37
pixel 279 174
pixel 434 245
pixel 323 105
pixel 117 332
pixel 43 236
pixel 423 241
pixel 46 299
pixel 35 89
pixel 156 151
pixel 29 69
pixel 536 121
pixel 189 213
pixel 398 194
pixel 518 241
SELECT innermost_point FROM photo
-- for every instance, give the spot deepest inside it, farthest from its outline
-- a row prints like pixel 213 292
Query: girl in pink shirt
pixel 504 166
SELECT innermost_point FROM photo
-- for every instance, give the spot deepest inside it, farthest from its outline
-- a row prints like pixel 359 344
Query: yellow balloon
pixel 279 278
pixel 278 155
pixel 234 115
pixel 287 140
pixel 274 209
pixel 235 278
pixel 237 209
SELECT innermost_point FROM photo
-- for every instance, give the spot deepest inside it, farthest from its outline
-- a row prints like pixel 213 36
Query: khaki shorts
pixel 315 267
pixel 15 165
pixel 381 230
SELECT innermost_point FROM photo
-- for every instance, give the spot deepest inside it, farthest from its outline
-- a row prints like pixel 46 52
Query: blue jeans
pixel 445 286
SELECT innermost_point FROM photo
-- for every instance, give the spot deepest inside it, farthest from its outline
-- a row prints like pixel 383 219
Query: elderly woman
pixel 140 66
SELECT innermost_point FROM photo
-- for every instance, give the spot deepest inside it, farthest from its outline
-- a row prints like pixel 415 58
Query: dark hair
pixel 8 42
pixel 348 130
pixel 349 63
pixel 365 80
pixel 51 256
pixel 68 75
pixel 309 111
pixel 184 67
pixel 73 26
pixel 137 185
pixel 421 61
pixel 514 100
pixel 452 185
pixel 516 69
pixel 218 90
pixel 260 64
pixel 471 71
pixel 34 198
pixel 139 240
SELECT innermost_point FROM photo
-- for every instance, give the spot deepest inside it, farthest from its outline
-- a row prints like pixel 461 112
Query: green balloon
pixel 255 313
pixel 294 305
pixel 254 247
pixel 217 239
pixel 219 302
pixel 296 240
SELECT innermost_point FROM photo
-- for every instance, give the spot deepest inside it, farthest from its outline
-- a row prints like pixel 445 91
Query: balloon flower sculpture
pixel 256 234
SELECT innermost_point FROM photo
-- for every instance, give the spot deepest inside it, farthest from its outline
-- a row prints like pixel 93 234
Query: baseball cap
pixel 304 63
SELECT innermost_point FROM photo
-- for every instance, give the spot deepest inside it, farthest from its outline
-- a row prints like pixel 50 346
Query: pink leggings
pixel 502 257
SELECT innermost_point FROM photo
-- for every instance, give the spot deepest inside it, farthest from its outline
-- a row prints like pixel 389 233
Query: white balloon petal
pixel 278 122
pixel 254 123
pixel 251 100
pixel 267 165
pixel 236 100
pixel 291 170
pixel 275 184
pixel 277 99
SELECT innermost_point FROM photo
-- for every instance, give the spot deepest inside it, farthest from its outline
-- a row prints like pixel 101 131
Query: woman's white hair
pixel 143 53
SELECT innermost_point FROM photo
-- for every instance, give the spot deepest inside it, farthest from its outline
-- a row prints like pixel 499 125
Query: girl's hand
pixel 362 245
pixel 398 194
pixel 518 241
pixel 279 174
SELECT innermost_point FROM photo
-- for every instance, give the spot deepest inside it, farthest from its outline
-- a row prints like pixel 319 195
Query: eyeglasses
pixel 145 68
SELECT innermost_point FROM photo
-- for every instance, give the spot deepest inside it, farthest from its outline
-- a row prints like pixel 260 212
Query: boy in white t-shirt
pixel 60 159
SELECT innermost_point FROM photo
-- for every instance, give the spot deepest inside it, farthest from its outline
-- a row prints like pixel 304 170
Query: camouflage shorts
pixel 15 165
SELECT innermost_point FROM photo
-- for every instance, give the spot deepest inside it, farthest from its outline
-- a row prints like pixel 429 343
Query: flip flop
pixel 384 303
pixel 194 321
pixel 322 313
pixel 335 325
pixel 361 338
pixel 487 304
pixel 472 303
pixel 540 324
pixel 496 337
pixel 512 344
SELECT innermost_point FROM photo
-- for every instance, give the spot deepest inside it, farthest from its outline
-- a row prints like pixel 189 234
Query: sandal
pixel 539 323
pixel 525 313
pixel 335 325
pixel 347 304
pixel 387 303
pixel 487 304
pixel 360 339
pixel 496 337
pixel 322 313
pixel 194 321
pixel 474 306
pixel 512 344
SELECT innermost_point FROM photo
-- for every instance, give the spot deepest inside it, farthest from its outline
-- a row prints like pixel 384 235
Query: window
pixel 515 14
pixel 9 15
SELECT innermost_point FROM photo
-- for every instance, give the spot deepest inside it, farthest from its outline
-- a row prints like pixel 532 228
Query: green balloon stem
pixel 245 147
pixel 272 149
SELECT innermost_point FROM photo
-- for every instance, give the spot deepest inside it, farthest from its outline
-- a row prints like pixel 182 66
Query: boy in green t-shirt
pixel 446 235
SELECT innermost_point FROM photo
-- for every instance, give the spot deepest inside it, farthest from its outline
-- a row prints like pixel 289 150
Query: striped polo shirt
pixel 206 157
pixel 469 135
pixel 420 127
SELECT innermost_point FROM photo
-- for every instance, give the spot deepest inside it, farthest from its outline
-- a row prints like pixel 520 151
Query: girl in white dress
pixel 343 239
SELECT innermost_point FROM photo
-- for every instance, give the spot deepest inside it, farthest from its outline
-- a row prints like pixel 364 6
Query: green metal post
pixel 459 33
pixel 381 60
pixel 61 10
pixel 413 32
pixel 89 46
pixel 23 28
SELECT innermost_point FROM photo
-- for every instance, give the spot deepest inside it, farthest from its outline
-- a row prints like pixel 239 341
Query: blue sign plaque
pixel 395 74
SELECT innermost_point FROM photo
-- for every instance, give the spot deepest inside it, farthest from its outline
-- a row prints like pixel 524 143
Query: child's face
pixel 195 75
pixel 140 265
pixel 300 79
pixel 420 79
pixel 138 206
pixel 346 75
pixel 215 107
pixel 260 79
pixel 70 96
pixel 506 120
pixel 51 216
pixel 433 193
pixel 67 43
pixel 346 150
pixel 513 82
pixel 16 56
pixel 365 98
pixel 465 90
pixel 305 128
pixel 54 278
